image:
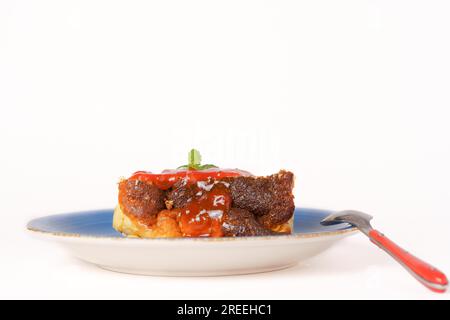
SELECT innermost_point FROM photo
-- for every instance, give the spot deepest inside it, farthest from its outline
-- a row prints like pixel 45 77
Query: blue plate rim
pixel 346 230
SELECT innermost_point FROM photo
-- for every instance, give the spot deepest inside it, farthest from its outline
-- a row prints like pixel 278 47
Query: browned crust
pixel 240 222
pixel 269 198
pixel 141 201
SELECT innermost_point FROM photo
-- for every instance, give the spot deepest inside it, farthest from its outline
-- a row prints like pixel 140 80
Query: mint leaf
pixel 194 158
pixel 207 166
pixel 194 162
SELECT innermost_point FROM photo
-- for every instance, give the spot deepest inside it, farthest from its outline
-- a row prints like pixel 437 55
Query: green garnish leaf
pixel 194 162
pixel 194 158
pixel 207 166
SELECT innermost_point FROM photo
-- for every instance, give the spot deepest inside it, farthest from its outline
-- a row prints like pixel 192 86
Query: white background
pixel 353 96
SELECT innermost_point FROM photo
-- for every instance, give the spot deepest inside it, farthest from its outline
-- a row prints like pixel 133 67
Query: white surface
pixel 353 96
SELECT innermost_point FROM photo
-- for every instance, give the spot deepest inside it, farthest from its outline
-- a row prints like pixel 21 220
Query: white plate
pixel 90 237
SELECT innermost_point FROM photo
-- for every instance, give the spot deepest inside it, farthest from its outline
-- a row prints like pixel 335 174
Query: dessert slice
pixel 204 201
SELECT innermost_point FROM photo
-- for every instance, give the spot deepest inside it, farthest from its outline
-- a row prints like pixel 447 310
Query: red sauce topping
pixel 168 178
pixel 205 212
pixel 203 216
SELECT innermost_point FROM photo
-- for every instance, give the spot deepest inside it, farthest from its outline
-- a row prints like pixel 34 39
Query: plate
pixel 90 237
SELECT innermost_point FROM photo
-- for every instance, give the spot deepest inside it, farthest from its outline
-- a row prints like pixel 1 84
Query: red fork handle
pixel 428 275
